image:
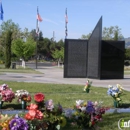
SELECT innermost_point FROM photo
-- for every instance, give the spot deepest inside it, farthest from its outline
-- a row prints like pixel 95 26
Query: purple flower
pixel 90 107
pixel 18 124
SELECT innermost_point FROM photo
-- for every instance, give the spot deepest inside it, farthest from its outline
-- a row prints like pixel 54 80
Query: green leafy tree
pixel 58 55
pixel 127 54
pixel 108 33
pixel 112 33
pixel 86 36
pixel 24 49
pixel 8 27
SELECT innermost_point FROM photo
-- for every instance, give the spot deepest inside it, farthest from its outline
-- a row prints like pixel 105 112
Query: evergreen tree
pixel 8 49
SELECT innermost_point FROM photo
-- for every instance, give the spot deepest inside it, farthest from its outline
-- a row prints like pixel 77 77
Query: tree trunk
pixel 58 63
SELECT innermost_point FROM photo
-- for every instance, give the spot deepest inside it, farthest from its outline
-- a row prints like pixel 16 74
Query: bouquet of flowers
pixel 53 115
pixel 6 93
pixel 50 119
pixel 87 86
pixel 86 115
pixel 23 95
pixel 116 92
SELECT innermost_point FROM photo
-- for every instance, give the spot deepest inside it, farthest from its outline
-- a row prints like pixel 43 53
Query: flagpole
pixel 66 21
pixel 39 19
pixel 36 37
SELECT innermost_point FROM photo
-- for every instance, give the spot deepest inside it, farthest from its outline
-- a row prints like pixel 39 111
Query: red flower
pixel 28 117
pixel 34 114
pixel 32 107
pixel 39 97
pixel 39 114
pixel 93 123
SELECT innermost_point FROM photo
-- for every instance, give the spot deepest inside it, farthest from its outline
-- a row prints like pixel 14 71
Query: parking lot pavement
pixel 53 74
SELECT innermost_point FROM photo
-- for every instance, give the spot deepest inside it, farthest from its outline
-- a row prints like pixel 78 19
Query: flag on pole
pixel 66 22
pixel 66 17
pixel 39 19
pixel 1 11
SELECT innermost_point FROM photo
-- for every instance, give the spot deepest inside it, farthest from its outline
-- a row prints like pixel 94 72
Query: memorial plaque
pixel 75 61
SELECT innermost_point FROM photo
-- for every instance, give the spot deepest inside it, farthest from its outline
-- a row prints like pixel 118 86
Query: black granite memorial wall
pixel 112 60
pixel 75 62
pixel 94 58
pixel 94 49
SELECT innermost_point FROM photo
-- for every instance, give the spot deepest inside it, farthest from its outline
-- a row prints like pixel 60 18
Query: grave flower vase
pixel 87 90
pixel 24 105
pixel 1 103
pixel 116 104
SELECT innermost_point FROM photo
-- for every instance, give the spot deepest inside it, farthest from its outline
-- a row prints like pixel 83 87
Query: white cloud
pixel 50 21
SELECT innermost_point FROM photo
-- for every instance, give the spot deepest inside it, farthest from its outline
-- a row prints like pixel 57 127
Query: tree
pixel 86 36
pixel 8 49
pixel 127 54
pixel 9 32
pixel 58 55
pixel 24 49
pixel 112 33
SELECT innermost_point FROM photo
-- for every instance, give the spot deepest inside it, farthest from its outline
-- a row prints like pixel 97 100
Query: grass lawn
pixel 68 94
pixel 18 69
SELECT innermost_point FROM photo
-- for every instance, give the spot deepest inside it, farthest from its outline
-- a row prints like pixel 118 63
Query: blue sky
pixel 83 15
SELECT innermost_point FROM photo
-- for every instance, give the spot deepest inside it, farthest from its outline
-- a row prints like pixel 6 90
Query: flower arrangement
pixel 23 95
pixel 6 93
pixel 116 92
pixel 51 118
pixel 86 115
pixel 87 86
pixel 54 116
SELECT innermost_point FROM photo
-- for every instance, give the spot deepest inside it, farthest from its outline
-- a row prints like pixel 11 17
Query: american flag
pixel 39 19
pixel 66 22
pixel 66 17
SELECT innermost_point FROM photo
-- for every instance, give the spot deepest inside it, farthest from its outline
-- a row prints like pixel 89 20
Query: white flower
pixel 83 108
pixel 110 86
pixel 79 102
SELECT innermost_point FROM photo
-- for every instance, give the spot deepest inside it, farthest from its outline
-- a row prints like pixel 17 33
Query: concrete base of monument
pixel 111 110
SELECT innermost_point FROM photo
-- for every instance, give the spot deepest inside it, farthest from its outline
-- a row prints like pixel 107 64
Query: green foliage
pixel 8 49
pixel 108 33
pixel 23 49
pixel 86 36
pixel 5 51
pixel 112 33
pixel 127 53
pixel 58 54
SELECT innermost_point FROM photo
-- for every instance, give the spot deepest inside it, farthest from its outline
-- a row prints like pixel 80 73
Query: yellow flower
pixel 76 113
pixel 85 104
pixel 116 94
pixel 118 99
pixel 120 87
pixel 62 121
pixel 4 121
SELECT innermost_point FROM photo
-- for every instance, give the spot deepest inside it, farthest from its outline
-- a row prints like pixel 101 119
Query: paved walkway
pixel 53 74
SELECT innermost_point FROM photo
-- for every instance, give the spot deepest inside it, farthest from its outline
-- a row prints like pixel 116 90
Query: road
pixel 54 74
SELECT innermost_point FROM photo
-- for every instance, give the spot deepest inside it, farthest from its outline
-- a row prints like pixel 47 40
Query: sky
pixel 83 15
